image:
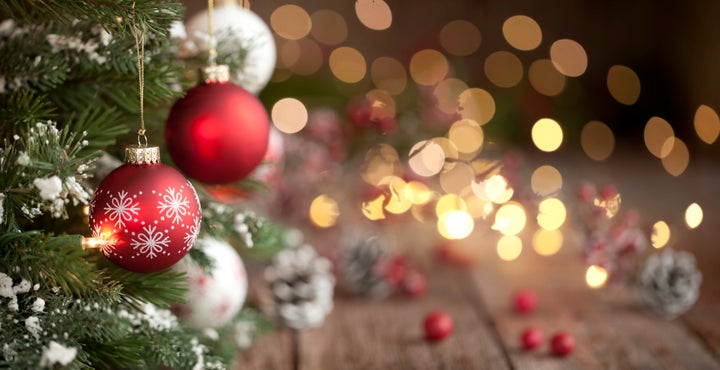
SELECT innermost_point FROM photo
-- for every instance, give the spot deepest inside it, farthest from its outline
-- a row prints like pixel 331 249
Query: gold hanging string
pixel 211 34
pixel 140 51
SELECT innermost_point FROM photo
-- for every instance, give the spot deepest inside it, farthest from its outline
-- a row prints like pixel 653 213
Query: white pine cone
pixel 670 282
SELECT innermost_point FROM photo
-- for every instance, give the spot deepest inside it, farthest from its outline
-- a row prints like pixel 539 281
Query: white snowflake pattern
pixel 192 234
pixel 174 205
pixel 151 242
pixel 121 209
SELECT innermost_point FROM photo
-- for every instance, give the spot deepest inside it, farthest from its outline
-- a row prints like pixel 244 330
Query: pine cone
pixel 359 266
pixel 302 287
pixel 670 282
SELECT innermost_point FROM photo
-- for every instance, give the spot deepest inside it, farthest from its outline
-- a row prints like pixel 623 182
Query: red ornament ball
pixel 531 338
pixel 414 284
pixel 146 215
pixel 438 325
pixel 562 343
pixel 218 133
pixel 524 301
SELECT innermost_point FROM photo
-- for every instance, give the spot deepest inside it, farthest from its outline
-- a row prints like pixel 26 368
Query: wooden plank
pixel 271 351
pixel 362 333
pixel 611 327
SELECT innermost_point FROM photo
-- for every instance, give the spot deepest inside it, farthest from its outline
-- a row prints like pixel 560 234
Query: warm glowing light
pixel 707 124
pixel 457 179
pixel 551 214
pixel 374 14
pixel 596 276
pixel 660 234
pixel 546 180
pixel 426 158
pixel 373 209
pixel 477 105
pixel 382 105
pixel 447 93
pixel 509 247
pixel 547 242
pixel 510 219
pixel 545 79
pixel 693 215
pixel 460 37
pixel 381 161
pixel 569 57
pixel 657 132
pixel 289 115
pixel 449 150
pixel 494 189
pixel 478 208
pixel 547 135
pixel 677 158
pixel 522 32
pixel 418 193
pixel 347 64
pixel 455 225
pixel 95 243
pixel 389 74
pixel 324 211
pixel 288 53
pixel 467 135
pixel 503 69
pixel 328 27
pixel 310 59
pixel 597 140
pixel 428 67
pixel 623 84
pixel 448 203
pixel 291 22
pixel 399 202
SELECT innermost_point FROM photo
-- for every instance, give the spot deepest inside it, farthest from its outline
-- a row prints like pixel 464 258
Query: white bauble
pixel 213 298
pixel 249 30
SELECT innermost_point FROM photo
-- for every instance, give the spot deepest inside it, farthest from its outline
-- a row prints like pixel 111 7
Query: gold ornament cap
pixel 142 154
pixel 216 73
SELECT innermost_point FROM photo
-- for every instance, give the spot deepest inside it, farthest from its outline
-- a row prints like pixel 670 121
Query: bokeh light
pixel 374 14
pixel 457 179
pixel 347 64
pixel 428 67
pixel 547 242
pixel 656 134
pixel 693 216
pixel 373 209
pixel 324 211
pixel 455 225
pixel 289 115
pixel 382 105
pixel 493 189
pixel 597 140
pixel 381 161
pixel 623 84
pixel 660 234
pixel 418 193
pixel 522 32
pixel 551 214
pixel 569 57
pixel 460 37
pixel 545 79
pixel 596 276
pixel 677 158
pixel 388 74
pixel 509 247
pixel 328 27
pixel 447 94
pixel 510 219
pixel 477 104
pixel 547 135
pixel 426 158
pixel 310 59
pixel 398 202
pixel 546 180
pixel 503 69
pixel 291 22
pixel 449 150
pixel 467 135
pixel 707 124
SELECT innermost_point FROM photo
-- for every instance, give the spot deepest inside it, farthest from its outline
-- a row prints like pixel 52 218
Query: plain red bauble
pixel 531 338
pixel 218 133
pixel 414 284
pixel 562 343
pixel 148 216
pixel 524 301
pixel 438 325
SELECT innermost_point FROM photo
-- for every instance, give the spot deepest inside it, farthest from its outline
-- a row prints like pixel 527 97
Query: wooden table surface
pixel 612 328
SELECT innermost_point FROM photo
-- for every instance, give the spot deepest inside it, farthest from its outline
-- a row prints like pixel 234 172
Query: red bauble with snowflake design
pixel 145 214
pixel 218 133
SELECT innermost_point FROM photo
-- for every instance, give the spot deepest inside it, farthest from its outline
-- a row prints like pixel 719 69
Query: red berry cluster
pixel 562 343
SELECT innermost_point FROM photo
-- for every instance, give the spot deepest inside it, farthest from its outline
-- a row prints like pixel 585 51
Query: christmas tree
pixel 76 80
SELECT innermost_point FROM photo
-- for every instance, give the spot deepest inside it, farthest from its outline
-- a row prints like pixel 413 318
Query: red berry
pixel 415 284
pixel 438 325
pixel 531 338
pixel 587 192
pixel 562 343
pixel 395 269
pixel 524 301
